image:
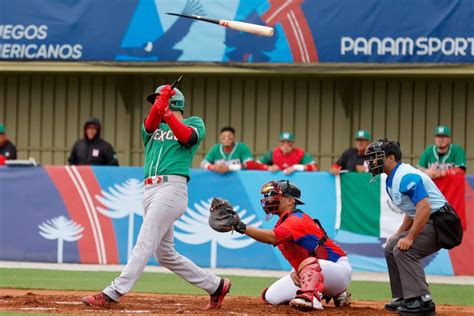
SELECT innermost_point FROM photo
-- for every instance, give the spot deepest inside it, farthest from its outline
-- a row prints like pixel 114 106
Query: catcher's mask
pixel 376 153
pixel 273 191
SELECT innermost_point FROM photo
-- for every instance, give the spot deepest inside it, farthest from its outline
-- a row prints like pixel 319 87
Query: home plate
pixel 69 303
pixel 135 311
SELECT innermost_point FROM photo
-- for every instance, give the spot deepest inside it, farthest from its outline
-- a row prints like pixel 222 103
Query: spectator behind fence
pixel 7 149
pixel 229 155
pixel 353 159
pixel 92 150
pixel 287 157
pixel 443 158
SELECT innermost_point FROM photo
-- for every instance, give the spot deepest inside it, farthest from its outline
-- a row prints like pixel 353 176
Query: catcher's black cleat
pixel 394 304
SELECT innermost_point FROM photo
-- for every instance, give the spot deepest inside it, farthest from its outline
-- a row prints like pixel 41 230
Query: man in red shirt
pixel 321 267
pixel 287 157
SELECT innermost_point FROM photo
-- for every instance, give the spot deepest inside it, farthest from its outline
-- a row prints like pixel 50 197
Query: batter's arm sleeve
pixel 423 162
pixel 72 160
pixel 198 130
pixel 153 119
pixel 185 134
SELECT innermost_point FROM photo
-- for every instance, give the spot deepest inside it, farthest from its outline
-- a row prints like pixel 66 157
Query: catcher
pixel 321 268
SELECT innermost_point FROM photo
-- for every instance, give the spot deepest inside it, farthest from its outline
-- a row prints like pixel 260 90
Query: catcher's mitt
pixel 223 218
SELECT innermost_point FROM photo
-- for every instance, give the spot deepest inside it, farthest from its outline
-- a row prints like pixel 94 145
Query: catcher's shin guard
pixel 311 280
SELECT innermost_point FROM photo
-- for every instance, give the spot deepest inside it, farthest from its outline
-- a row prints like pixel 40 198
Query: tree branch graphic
pixel 123 200
pixel 62 229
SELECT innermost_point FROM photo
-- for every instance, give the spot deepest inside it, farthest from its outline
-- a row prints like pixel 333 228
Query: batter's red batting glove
pixel 167 91
pixel 163 99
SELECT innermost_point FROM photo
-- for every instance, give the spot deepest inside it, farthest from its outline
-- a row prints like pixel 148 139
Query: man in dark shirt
pixel 353 159
pixel 92 150
pixel 7 149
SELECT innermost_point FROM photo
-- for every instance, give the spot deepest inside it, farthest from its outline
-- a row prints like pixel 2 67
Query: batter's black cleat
pixel 394 304
pixel 422 305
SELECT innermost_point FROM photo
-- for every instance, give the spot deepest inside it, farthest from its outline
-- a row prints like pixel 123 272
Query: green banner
pixel 360 204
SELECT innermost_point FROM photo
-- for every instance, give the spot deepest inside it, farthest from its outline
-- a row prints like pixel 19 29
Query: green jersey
pixel 240 154
pixel 454 157
pixel 164 155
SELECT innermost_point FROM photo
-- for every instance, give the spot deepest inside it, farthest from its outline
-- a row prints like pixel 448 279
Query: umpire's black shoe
pixel 394 304
pixel 419 305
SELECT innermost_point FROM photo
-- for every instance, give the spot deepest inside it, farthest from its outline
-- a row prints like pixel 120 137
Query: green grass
pixel 170 283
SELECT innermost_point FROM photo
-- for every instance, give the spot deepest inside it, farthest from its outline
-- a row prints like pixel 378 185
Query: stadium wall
pixel 93 215
pixel 44 112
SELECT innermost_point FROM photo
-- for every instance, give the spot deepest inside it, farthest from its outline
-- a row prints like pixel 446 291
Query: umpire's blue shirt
pixel 407 186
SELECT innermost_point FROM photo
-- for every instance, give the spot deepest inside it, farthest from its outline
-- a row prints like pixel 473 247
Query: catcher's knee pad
pixel 311 279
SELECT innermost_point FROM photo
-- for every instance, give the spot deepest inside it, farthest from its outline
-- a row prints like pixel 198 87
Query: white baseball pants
pixel 337 276
pixel 163 204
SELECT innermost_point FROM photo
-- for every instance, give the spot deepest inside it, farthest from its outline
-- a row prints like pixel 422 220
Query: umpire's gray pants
pixel 163 204
pixel 407 277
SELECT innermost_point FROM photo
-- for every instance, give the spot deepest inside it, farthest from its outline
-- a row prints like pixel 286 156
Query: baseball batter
pixel 170 143
pixel 321 268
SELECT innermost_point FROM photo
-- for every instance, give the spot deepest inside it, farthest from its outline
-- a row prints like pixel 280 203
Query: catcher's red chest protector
pixel 297 236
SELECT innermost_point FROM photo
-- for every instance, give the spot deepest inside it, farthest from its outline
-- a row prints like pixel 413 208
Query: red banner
pixel 453 189
pixel 460 256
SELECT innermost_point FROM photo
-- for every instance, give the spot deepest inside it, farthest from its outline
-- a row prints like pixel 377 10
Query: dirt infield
pixel 69 302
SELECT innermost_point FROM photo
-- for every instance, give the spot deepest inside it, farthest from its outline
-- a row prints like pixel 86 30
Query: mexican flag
pixel 365 208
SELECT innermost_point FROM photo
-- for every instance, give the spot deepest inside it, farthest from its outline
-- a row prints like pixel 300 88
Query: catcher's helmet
pixel 273 191
pixel 176 101
pixel 377 151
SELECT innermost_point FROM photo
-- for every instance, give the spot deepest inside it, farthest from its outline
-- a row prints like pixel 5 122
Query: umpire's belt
pixel 445 208
pixel 163 179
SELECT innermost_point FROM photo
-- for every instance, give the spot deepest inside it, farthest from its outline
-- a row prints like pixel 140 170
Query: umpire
pixel 419 198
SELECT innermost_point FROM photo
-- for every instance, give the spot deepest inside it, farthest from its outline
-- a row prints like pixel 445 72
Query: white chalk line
pixel 356 276
pixel 69 303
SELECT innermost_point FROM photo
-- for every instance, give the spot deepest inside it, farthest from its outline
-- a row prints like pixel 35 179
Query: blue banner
pixel 306 31
pixel 94 214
